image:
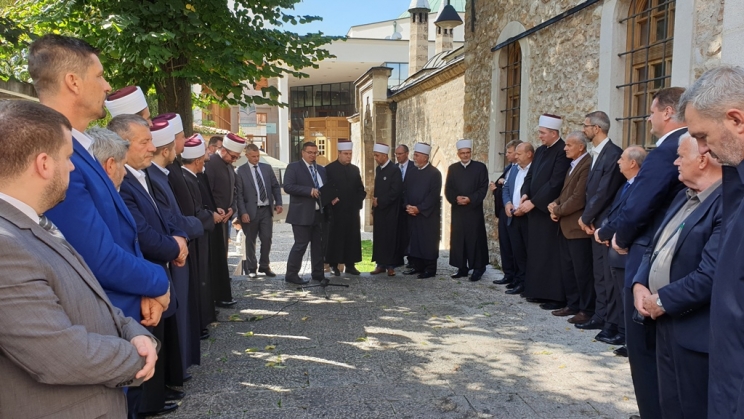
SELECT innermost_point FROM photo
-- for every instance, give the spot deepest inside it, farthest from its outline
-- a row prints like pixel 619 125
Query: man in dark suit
pixel 629 164
pixel 258 196
pixel 574 244
pixel 633 229
pixel 65 351
pixel 68 77
pixel 542 186
pixel 385 208
pixel 517 224
pixel 507 257
pixel 713 108
pixel 303 181
pixel 601 186
pixel 406 166
pixel 674 282
pixel 162 243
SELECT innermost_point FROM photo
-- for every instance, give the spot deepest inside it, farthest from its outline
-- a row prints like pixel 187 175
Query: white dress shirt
pixel 403 168
pixel 664 137
pixel 598 149
pixel 518 182
pixel 162 169
pixel 21 206
pixel 575 162
pixel 259 202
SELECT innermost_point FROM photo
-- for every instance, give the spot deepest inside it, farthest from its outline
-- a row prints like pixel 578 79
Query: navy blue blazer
pixel 687 297
pixel 97 223
pixel 298 183
pixel 507 191
pixel 614 259
pixel 168 205
pixel 602 184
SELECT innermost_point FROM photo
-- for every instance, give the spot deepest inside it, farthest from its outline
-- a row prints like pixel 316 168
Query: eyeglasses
pixel 590 125
pixel 233 156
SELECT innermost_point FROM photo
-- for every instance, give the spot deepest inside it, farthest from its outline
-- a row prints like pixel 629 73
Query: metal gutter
pixel 549 22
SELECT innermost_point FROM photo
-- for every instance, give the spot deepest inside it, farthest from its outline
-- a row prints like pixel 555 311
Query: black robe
pixel 388 191
pixel 423 189
pixel 344 235
pixel 219 273
pixel 468 243
pixel 543 185
pixel 191 203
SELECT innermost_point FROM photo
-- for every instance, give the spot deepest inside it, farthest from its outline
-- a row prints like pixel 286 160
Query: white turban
pixel 551 122
pixel 233 143
pixel 194 147
pixel 464 144
pixel 173 119
pixel 381 148
pixel 344 146
pixel 162 133
pixel 422 148
pixel 126 101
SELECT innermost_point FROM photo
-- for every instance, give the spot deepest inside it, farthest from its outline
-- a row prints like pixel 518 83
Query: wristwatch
pixel 658 303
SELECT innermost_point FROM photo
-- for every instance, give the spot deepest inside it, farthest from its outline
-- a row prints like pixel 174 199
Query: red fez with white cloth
pixel 173 119
pixel 344 146
pixel 162 133
pixel 126 101
pixel 194 147
pixel 234 143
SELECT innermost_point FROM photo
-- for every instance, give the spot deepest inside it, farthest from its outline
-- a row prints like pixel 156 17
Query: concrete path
pixel 399 348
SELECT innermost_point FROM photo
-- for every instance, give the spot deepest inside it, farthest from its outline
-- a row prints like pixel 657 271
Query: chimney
pixel 446 21
pixel 418 45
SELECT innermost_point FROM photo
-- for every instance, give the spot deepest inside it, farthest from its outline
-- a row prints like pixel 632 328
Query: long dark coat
pixel 344 235
pixel 219 273
pixel 388 191
pixel 543 185
pixel 424 191
pixel 468 243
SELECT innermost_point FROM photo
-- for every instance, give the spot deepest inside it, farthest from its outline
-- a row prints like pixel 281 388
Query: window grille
pixel 512 76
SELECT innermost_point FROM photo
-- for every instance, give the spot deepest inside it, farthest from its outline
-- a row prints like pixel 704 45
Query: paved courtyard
pixel 398 348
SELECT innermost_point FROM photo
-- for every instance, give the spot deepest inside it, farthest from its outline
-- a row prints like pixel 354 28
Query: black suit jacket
pixel 687 297
pixel 497 193
pixel 614 259
pixel 298 183
pixel 602 184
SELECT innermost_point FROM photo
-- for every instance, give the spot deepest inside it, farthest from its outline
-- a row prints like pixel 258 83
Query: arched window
pixel 511 72
pixel 648 64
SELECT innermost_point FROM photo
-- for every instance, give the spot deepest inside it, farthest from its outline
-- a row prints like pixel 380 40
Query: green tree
pixel 172 44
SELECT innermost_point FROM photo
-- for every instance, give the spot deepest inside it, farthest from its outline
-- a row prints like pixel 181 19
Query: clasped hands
pixel 412 210
pixel 525 206
pixel 152 309
pixel 551 207
pixel 463 200
pixel 145 348
pixel 645 302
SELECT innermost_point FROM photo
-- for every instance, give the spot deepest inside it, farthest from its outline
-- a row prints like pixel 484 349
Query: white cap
pixel 126 101
pixel 551 121
pixel 173 119
pixel 422 148
pixel 344 146
pixel 233 143
pixel 464 144
pixel 194 147
pixel 381 148
pixel 162 133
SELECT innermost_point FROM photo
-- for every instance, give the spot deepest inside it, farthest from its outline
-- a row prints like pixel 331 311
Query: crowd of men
pixel 114 240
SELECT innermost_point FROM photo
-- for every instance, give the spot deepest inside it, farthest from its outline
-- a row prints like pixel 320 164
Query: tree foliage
pixel 172 44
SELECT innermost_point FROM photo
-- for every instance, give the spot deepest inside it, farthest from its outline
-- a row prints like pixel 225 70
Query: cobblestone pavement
pixel 398 348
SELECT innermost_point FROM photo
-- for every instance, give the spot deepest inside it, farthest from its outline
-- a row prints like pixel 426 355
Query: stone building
pixel 522 58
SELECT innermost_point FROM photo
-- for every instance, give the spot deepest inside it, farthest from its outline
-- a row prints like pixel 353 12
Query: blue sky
pixel 339 15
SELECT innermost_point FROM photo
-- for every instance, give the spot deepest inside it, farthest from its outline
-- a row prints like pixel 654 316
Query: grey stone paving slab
pixel 398 347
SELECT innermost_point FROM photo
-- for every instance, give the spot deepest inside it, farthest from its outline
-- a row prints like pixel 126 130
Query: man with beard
pixel 186 312
pixel 465 189
pixel 406 166
pixel 346 188
pixel 162 243
pixel 68 77
pixel 128 101
pixel 422 200
pixel 192 158
pixel 713 108
pixel 385 207
pixel 542 186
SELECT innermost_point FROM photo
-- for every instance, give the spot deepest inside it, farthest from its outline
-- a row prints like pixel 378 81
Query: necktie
pixel 49 226
pixel 403 171
pixel 315 176
pixel 625 189
pixel 261 188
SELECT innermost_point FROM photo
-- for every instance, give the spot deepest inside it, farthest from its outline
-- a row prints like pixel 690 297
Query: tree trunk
pixel 174 95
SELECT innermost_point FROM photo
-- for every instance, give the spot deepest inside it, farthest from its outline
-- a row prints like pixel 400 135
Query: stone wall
pixel 434 116
pixel 707 37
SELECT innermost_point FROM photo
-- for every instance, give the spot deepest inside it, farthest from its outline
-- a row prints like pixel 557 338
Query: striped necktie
pixel 49 226
pixel 261 187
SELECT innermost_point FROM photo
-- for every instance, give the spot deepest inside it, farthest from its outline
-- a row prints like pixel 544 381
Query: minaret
pixel 446 21
pixel 418 45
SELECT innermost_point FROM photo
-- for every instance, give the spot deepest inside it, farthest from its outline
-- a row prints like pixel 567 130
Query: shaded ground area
pixel 399 348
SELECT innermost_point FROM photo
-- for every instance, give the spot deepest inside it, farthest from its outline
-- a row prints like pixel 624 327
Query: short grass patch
pixel 366 265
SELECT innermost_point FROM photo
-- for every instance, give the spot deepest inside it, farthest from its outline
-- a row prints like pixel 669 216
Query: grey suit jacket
pixel 64 349
pixel 247 194
pixel 298 183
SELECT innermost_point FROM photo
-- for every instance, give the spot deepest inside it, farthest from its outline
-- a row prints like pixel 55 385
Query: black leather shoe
pixel 204 334
pixel 621 351
pixel 187 377
pixel 425 275
pixel 318 278
pixel 605 334
pixel 297 280
pixel 590 325
pixel 268 272
pixel 351 269
pixel 169 407
pixel 552 305
pixel 518 289
pixel 410 271
pixel 535 300
pixel 502 281
pixel 477 275
pixel 618 339
pixel 173 395
pixel 252 274
pixel 511 285
pixel 225 304
pixel 335 271
pixel 459 274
